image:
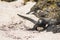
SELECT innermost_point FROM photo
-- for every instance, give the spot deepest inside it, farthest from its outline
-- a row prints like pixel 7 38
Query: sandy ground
pixel 13 27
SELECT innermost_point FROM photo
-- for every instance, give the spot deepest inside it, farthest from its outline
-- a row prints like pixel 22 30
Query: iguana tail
pixel 33 21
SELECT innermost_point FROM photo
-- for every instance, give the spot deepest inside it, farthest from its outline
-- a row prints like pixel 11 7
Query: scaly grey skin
pixel 41 24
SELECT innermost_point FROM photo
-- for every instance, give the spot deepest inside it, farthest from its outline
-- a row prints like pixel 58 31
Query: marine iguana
pixel 41 23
